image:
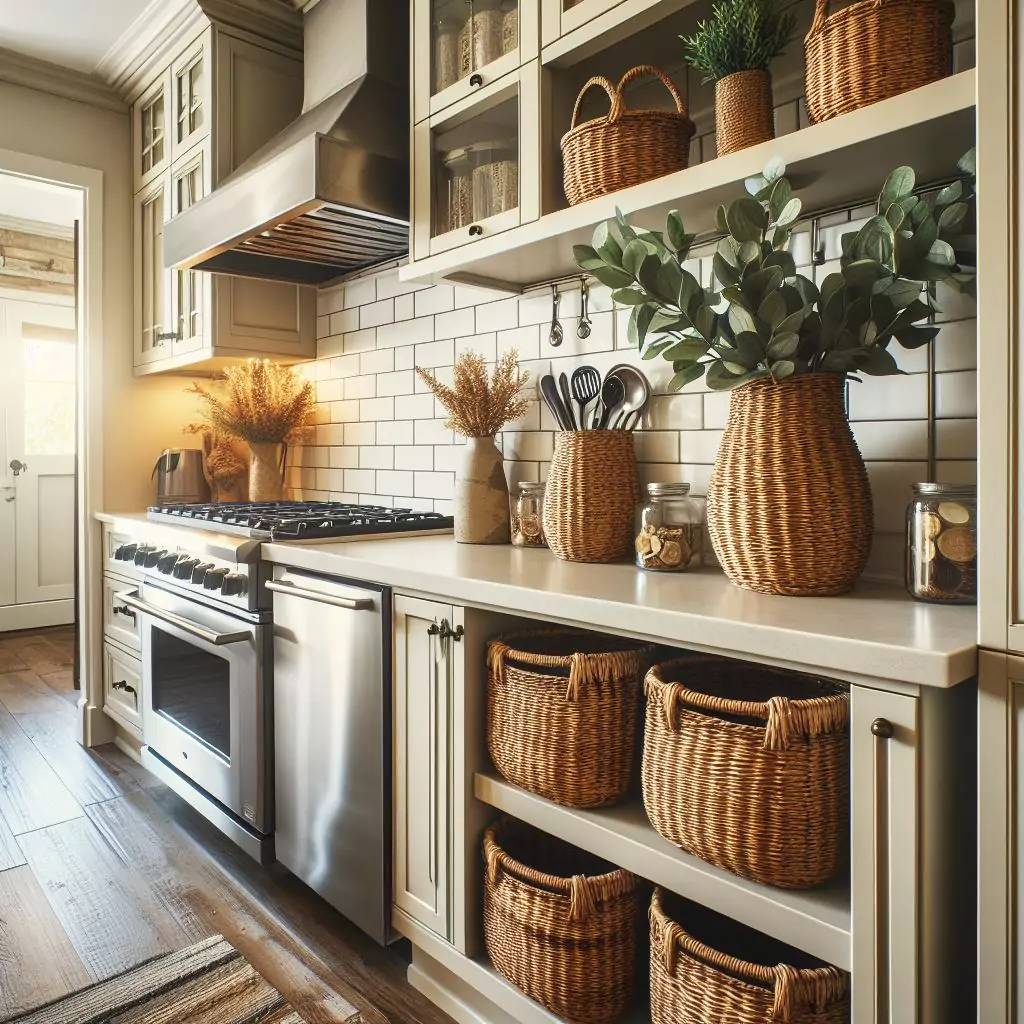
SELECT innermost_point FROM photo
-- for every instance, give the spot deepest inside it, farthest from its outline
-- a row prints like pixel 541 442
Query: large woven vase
pixel 744 112
pixel 789 503
pixel 591 496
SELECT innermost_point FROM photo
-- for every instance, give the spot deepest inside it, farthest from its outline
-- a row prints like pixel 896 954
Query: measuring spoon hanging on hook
pixel 584 327
pixel 555 337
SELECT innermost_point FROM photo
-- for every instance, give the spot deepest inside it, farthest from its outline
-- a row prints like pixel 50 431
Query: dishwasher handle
pixel 356 604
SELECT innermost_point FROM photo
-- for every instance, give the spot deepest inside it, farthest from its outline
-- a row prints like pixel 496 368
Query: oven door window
pixel 192 689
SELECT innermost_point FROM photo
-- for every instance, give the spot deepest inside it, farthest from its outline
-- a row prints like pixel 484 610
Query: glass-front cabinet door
pixel 154 323
pixel 464 45
pixel 190 290
pixel 469 166
pixel 151 149
pixel 191 96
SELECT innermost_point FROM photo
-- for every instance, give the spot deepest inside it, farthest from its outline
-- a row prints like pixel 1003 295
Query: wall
pixel 382 438
pixel 141 416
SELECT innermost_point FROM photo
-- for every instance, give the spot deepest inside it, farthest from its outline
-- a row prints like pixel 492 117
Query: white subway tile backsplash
pixel 401 382
pixel 330 390
pixel 447 457
pixel 343 458
pixel 360 480
pixel 529 445
pixel 408 332
pixel 377 313
pixel 889 398
pixel 892 440
pixel 439 299
pixel 956 347
pixel 435 353
pixel 330 434
pixel 953 304
pixel 360 387
pixel 414 407
pixel 467 295
pixel 456 324
pixel 344 321
pixel 388 285
pixel 498 316
pixel 891 491
pixel 405 307
pixel 432 432
pixel 377 456
pixel 405 358
pixel 329 300
pixel 414 457
pixel 377 409
pixel 956 394
pixel 323 327
pixel 345 366
pixel 699 447
pixel 358 434
pixel 344 412
pixel 674 412
pixel 960 471
pixel 524 340
pixel 394 482
pixel 434 485
pixel 656 445
pixel 482 344
pixel 360 293
pixel 360 341
pixel 956 439
pixel 377 361
pixel 395 432
pixel 716 410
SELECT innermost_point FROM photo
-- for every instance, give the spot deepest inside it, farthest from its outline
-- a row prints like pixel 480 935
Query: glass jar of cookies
pixel 528 516
pixel 942 544
pixel 669 529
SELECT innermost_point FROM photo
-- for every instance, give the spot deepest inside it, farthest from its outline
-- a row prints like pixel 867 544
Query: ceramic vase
pixel 744 112
pixel 481 495
pixel 789 502
pixel 266 472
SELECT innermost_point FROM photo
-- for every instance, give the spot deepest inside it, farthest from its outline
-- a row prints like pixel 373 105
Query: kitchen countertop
pixel 876 631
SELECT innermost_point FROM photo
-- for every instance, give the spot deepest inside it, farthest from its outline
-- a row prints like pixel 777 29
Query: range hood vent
pixel 329 195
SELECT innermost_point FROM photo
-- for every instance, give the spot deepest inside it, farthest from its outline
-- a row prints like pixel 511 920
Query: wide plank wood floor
pixel 102 867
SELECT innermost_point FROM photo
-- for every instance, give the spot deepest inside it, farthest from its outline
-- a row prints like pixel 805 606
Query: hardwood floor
pixel 102 867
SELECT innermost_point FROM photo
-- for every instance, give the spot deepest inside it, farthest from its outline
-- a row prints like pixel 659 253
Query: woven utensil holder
pixel 566 938
pixel 561 713
pixel 789 503
pixel 872 50
pixel 744 113
pixel 748 768
pixel 693 981
pixel 627 146
pixel 591 496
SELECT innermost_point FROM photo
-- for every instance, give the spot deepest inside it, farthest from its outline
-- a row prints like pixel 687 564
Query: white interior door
pixel 38 348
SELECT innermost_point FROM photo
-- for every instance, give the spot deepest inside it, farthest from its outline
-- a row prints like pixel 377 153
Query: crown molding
pixel 41 75
pixel 157 36
pixel 41 228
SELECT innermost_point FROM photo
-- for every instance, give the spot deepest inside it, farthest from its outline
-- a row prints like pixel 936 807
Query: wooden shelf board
pixel 816 921
pixel 844 160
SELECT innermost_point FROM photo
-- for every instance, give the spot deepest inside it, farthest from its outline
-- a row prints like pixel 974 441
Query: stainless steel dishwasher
pixel 332 714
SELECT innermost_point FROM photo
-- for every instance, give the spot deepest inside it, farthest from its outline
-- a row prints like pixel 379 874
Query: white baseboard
pixel 36 615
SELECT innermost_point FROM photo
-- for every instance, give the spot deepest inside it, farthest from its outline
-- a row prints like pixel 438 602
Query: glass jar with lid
pixel 488 23
pixel 942 545
pixel 669 528
pixel 509 26
pixel 495 178
pixel 528 516
pixel 455 200
pixel 447 62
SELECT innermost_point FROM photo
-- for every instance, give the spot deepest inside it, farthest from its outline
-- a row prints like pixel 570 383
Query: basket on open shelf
pixel 747 767
pixel 874 49
pixel 560 924
pixel 712 969
pixel 626 147
pixel 561 713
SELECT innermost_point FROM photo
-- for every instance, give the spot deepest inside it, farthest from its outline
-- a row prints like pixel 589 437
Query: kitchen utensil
pixel 563 390
pixel 586 386
pixel 555 337
pixel 613 391
pixel 584 327
pixel 637 394
pixel 549 391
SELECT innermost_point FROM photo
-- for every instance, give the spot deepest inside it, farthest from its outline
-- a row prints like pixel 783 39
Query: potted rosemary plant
pixel 789 503
pixel 734 49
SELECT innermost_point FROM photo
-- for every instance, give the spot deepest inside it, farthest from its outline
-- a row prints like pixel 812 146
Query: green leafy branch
pixel 740 35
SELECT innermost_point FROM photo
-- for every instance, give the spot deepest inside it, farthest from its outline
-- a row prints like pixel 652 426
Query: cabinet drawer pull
pixel 123 609
pixel 447 633
pixel 475 230
pixel 476 80
pixel 123 684
pixel 161 336
pixel 883 731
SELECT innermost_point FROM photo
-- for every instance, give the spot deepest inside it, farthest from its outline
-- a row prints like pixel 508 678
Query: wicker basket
pixel 744 112
pixel 748 768
pixel 626 147
pixel 560 924
pixel 718 970
pixel 789 502
pixel 875 49
pixel 591 496
pixel 562 713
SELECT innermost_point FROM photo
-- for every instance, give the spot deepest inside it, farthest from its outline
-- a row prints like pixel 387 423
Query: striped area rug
pixel 208 983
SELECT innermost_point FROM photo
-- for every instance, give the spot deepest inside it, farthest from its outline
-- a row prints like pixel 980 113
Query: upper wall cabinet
pixel 570 25
pixel 220 99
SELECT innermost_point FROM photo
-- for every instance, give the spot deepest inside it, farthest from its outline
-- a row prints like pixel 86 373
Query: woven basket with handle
pixel 560 924
pixel 561 713
pixel 874 49
pixel 627 146
pixel 591 496
pixel 714 969
pixel 748 768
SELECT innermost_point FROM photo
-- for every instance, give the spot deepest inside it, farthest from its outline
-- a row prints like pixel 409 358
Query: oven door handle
pixel 356 604
pixel 185 625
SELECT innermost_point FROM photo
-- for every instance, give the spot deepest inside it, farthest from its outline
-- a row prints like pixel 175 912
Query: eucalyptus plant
pixel 762 319
pixel 740 35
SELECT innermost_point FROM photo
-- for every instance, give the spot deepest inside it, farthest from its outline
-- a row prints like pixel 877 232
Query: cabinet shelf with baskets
pixel 816 920
pixel 827 161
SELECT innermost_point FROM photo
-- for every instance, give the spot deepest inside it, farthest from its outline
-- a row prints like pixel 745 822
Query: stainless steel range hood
pixel 330 194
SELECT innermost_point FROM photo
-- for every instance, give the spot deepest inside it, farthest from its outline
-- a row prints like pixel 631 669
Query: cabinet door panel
pixel 151 141
pixel 154 329
pixel 191 96
pixel 421 755
pixel 191 291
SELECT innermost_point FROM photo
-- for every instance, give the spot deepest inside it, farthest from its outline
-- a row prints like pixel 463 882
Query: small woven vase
pixel 266 472
pixel 789 503
pixel 481 495
pixel 591 496
pixel 744 112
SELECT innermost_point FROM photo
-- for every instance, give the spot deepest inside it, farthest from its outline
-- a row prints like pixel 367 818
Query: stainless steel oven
pixel 207 707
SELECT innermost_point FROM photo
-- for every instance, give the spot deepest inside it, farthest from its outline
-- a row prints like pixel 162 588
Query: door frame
pixel 94 726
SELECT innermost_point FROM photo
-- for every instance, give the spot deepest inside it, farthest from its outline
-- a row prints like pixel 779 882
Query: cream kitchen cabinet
pixel 220 99
pixel 576 25
pixel 122 688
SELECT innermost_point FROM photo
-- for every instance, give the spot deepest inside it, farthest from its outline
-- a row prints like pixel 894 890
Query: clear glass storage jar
pixel 509 26
pixel 669 528
pixel 942 547
pixel 495 179
pixel 447 62
pixel 488 24
pixel 528 516
pixel 455 206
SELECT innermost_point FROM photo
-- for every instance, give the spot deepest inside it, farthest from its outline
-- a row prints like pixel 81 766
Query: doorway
pixel 38 385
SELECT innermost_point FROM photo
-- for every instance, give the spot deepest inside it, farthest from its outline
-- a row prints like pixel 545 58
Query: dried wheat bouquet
pixel 261 403
pixel 478 407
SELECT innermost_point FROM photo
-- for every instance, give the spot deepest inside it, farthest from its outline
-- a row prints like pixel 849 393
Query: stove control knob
pixel 166 563
pixel 140 553
pixel 126 552
pixel 199 572
pixel 235 585
pixel 153 556
pixel 183 569
pixel 214 578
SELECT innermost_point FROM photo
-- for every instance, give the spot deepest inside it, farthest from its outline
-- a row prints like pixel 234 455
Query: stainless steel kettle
pixel 179 477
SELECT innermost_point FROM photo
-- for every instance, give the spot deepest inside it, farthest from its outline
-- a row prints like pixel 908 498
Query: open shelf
pixel 816 921
pixel 831 163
